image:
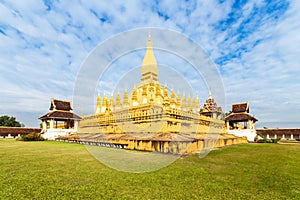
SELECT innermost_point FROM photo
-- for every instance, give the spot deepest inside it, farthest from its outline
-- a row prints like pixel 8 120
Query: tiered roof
pixel 60 105
pixel 240 113
pixel 240 107
pixel 60 110
pixel 210 106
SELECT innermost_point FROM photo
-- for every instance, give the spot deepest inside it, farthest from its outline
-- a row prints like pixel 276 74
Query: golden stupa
pixel 150 117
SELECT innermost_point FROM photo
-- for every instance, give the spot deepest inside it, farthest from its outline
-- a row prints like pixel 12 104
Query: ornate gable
pixel 60 105
pixel 240 107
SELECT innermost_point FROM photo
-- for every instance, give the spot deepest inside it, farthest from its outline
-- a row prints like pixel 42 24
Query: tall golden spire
pixel 105 101
pixel 197 103
pixel 98 107
pixel 183 104
pixel 149 66
pixel 125 99
pixel 118 100
pixel 111 101
pixel 178 100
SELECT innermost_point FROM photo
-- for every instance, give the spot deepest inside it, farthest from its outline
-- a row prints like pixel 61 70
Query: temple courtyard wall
pixel 282 133
pixel 14 132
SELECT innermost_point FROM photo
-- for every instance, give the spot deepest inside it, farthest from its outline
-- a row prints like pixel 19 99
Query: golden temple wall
pixel 181 147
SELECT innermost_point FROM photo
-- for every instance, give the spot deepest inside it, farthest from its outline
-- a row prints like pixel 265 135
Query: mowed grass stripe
pixel 53 170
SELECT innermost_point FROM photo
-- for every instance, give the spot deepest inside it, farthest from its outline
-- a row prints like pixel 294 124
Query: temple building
pixel 240 122
pixel 279 133
pixel 60 121
pixel 151 117
pixel 211 109
pixel 151 107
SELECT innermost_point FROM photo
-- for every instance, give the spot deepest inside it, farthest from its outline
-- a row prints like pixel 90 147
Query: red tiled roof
pixel 57 114
pixel 60 105
pixel 285 131
pixel 239 117
pixel 14 131
pixel 240 107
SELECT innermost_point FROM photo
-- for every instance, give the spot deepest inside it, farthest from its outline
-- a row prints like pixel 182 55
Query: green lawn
pixel 53 170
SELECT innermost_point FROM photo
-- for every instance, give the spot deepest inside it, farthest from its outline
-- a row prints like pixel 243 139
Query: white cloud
pixel 43 47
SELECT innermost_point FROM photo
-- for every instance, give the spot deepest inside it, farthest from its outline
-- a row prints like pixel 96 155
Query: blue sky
pixel 254 44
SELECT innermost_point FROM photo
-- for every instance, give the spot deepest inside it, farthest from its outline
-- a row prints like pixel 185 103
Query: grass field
pixel 53 170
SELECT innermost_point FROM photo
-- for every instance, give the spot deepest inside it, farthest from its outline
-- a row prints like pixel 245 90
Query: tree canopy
pixel 6 120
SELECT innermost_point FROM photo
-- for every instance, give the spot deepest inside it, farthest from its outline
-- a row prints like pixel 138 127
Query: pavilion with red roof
pixel 60 121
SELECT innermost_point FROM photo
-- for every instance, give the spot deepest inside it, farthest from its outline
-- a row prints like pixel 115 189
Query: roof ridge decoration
pixel 240 112
pixel 57 104
pixel 240 107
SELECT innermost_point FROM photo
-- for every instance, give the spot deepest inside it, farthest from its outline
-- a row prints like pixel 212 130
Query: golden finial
pixel 178 96
pixel 183 104
pixel 197 102
pixel 98 107
pixel 105 102
pixel 98 99
pixel 111 100
pixel 125 98
pixel 172 94
pixel 118 99
pixel 149 64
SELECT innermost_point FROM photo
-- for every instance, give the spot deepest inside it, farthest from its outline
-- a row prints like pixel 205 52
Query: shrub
pixel 269 140
pixel 31 137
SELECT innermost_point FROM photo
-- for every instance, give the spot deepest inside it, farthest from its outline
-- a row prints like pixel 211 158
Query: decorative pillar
pixel 44 123
pixel 275 136
pixel 292 136
pixel 227 125
pixel 51 123
pixel 268 136
pixel 75 125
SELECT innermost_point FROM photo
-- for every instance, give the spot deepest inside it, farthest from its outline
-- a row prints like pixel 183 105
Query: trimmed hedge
pixel 31 137
pixel 269 140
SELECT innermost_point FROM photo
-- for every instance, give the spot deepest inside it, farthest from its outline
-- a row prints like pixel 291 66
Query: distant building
pixel 240 122
pixel 280 133
pixel 14 132
pixel 60 121
pixel 211 109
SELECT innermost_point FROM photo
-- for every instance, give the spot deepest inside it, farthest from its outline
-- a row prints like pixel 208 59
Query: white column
pixel 275 136
pixel 44 122
pixel 268 137
pixel 75 125
pixel 292 136
pixel 283 136
pixel 51 123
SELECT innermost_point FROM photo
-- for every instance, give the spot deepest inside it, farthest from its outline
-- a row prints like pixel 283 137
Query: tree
pixel 224 115
pixel 9 121
pixel 228 113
